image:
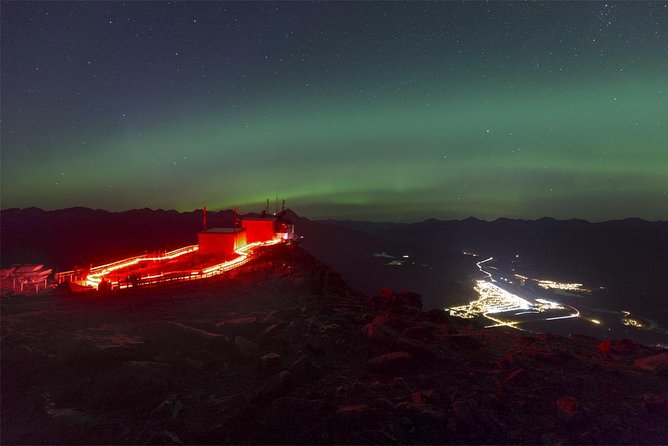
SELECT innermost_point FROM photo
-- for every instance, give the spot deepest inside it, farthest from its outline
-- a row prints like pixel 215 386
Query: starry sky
pixel 378 111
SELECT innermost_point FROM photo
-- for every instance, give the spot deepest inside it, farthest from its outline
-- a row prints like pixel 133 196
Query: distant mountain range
pixel 628 256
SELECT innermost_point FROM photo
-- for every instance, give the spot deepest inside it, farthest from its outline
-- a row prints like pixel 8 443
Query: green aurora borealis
pixel 447 120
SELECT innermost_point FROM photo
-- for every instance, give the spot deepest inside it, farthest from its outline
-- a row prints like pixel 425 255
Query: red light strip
pixel 98 273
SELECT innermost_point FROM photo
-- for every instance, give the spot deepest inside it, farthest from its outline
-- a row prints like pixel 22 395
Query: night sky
pixel 378 111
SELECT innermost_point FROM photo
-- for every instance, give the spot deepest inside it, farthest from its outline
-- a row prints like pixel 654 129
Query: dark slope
pixel 283 352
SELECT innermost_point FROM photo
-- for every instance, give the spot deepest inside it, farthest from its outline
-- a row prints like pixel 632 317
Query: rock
pixel 658 363
pixel 144 375
pixel 388 299
pixel 508 363
pixel 275 386
pixel 528 339
pixel 206 357
pixel 604 346
pixel 567 405
pixel 400 383
pixel 463 413
pixel 546 336
pixel 437 316
pixel 365 318
pixel 246 348
pixel 244 326
pixel 626 346
pixel 97 348
pixel 377 436
pixel 360 390
pixel 655 403
pixel 383 403
pixel 465 342
pixel 422 412
pixel 271 362
pixel 391 339
pixel 304 368
pixel 329 329
pixel 423 397
pixel 286 314
pixel 318 344
pixel 379 387
pixel 358 416
pixel 421 334
pixel 341 391
pixel 297 324
pixel 173 335
pixel 291 420
pixel 393 363
pixel 514 374
pixel 270 330
pixel 344 318
pixel 69 416
pixel 382 319
pixel 226 403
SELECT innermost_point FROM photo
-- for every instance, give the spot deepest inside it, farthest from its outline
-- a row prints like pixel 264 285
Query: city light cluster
pixel 549 284
pixel 544 305
pixel 632 322
pixel 492 299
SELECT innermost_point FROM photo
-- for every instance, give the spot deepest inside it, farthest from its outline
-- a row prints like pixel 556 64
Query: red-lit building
pixel 259 229
pixel 222 241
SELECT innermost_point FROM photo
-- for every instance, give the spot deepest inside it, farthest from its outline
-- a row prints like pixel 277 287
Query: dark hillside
pixel 282 352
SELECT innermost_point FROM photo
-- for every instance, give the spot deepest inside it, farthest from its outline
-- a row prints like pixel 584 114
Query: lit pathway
pixel 98 273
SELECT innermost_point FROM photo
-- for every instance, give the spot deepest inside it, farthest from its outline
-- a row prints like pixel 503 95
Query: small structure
pixel 222 241
pixel 259 229
pixel 284 228
pixel 25 279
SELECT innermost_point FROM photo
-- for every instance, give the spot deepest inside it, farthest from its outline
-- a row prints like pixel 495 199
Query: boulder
pixel 391 339
pixel 465 342
pixel 418 333
pixel 274 387
pixel 142 375
pixel 357 416
pixel 291 420
pixel 422 413
pixel 285 314
pixel 657 363
pixel 244 326
pixel 304 368
pixel 89 348
pixel 567 405
pixel 175 336
pixel 397 363
pixel 271 362
pixel 246 348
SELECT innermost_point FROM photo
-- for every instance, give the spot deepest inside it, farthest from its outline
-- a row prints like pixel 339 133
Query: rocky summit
pixel 282 351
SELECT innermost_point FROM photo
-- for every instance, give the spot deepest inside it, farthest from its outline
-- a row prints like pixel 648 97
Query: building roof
pixel 223 230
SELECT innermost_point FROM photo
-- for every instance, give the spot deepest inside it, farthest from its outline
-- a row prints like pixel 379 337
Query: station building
pixel 221 241
pixel 259 229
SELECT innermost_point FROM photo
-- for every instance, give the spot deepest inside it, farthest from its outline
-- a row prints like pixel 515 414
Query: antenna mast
pixel 236 221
